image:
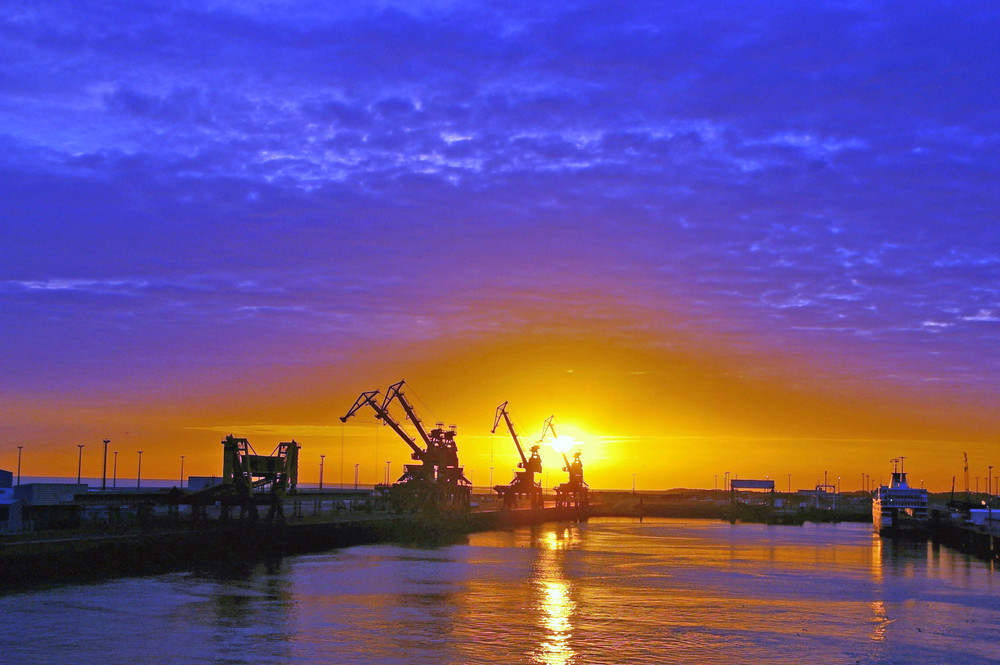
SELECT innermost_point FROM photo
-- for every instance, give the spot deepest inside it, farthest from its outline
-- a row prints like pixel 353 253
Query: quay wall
pixel 27 563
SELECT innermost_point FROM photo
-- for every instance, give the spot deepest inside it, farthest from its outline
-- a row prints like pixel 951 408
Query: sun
pixel 563 443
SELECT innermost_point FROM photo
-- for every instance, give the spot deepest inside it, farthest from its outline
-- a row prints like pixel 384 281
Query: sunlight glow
pixel 563 443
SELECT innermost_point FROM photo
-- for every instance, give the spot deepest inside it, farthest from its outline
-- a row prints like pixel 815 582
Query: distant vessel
pixel 899 509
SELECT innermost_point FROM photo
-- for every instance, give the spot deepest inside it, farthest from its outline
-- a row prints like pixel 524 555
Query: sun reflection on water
pixel 879 620
pixel 555 603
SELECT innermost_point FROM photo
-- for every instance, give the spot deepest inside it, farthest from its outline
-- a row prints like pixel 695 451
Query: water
pixel 609 591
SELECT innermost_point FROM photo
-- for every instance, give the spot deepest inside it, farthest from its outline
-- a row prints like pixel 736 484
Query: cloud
pixel 806 176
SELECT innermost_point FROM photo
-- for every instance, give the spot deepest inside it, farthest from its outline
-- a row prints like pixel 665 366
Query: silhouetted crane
pixel 523 484
pixel 574 492
pixel 437 482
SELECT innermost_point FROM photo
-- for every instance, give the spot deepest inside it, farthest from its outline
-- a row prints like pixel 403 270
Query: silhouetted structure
pixel 575 491
pixel 524 484
pixel 437 482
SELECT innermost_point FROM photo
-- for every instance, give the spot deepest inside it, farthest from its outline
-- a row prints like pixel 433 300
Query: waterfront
pixel 607 591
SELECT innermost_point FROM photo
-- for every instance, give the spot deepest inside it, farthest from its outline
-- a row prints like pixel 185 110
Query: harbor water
pixel 607 591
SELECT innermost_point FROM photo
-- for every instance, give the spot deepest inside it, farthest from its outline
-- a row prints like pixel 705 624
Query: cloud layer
pixel 186 184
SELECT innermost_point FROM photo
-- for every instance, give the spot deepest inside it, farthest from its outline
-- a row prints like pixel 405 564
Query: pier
pixel 163 545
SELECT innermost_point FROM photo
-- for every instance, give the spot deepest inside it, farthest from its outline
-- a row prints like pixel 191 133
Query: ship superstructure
pixel 898 508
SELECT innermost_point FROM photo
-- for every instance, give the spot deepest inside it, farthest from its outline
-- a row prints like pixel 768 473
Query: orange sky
pixel 673 408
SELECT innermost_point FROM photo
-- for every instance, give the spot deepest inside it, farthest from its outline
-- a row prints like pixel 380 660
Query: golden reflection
pixel 876 561
pixel 880 621
pixel 880 617
pixel 555 603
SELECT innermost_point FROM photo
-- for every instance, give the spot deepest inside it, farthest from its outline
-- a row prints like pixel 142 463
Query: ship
pixel 898 509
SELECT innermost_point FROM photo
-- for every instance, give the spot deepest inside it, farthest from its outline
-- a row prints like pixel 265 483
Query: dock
pixel 81 557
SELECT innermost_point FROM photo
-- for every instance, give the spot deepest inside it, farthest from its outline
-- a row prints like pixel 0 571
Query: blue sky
pixel 194 189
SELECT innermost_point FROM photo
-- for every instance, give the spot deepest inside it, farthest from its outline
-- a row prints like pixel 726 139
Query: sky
pixel 755 238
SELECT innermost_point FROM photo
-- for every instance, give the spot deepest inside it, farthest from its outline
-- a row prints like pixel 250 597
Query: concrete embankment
pixel 27 563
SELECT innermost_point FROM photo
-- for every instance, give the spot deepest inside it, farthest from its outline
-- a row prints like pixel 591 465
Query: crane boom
pixel 394 392
pixel 550 425
pixel 502 413
pixel 368 398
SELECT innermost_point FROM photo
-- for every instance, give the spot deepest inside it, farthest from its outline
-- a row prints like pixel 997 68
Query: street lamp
pixel 104 468
pixel 321 458
pixel 19 464
pixel 182 471
pixel 114 473
pixel 387 472
pixel 79 463
pixel 138 473
pixel 355 476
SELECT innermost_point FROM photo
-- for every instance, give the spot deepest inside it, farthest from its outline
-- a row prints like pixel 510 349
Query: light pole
pixel 321 458
pixel 182 471
pixel 114 472
pixel 104 468
pixel 79 463
pixel 989 483
pixel 138 473
pixel 355 476
pixel 789 483
pixel 716 482
pixel 19 464
pixel 387 472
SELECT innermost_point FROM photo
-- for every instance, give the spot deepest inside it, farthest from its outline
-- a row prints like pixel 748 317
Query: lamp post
pixel 182 471
pixel 19 464
pixel 104 467
pixel 114 472
pixel 387 472
pixel 138 473
pixel 355 476
pixel 321 458
pixel 79 463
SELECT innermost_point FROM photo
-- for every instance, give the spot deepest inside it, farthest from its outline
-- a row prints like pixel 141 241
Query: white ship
pixel 898 508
